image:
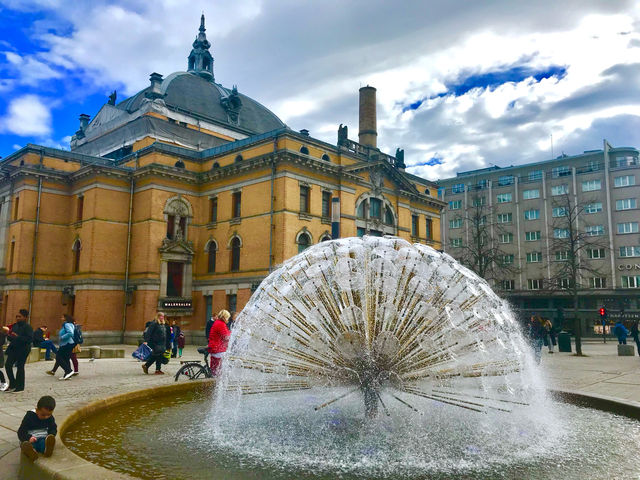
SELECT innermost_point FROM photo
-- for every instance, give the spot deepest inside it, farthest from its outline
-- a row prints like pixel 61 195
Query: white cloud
pixel 27 115
pixel 29 69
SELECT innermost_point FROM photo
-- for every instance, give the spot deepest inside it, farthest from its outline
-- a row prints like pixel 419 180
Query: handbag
pixel 76 348
pixel 142 353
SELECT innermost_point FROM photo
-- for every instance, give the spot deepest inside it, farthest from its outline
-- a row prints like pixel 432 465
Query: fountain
pixel 367 358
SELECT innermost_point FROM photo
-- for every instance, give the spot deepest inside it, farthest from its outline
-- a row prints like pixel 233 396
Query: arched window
pixel 325 238
pixel 304 150
pixel 375 215
pixel 388 216
pixel 77 246
pixel 177 211
pixel 304 241
pixel 235 254
pixel 426 190
pixel 326 158
pixel 238 159
pixel 362 209
pixel 215 165
pixel 212 249
pixel 179 164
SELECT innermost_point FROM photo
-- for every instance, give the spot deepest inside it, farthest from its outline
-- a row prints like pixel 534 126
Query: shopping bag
pixel 142 352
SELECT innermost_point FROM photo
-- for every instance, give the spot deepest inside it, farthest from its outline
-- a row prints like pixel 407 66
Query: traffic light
pixel 603 313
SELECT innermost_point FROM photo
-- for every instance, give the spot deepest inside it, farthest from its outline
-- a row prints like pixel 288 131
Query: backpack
pixel 77 335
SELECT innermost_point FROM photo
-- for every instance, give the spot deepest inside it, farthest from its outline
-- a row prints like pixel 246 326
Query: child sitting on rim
pixel 37 432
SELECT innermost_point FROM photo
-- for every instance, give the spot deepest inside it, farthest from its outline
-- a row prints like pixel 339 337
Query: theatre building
pixel 183 198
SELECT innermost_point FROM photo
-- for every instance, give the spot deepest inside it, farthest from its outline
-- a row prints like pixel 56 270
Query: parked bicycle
pixel 193 370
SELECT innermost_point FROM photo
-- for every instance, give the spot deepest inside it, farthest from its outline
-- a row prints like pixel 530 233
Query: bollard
pixel 564 342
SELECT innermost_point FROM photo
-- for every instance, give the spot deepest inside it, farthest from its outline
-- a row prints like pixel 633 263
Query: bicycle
pixel 194 370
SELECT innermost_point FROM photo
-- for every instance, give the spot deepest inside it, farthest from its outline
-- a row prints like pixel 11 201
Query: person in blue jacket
pixel 66 347
pixel 621 332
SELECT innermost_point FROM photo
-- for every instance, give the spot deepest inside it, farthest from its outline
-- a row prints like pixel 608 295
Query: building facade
pixel 182 198
pixel 526 206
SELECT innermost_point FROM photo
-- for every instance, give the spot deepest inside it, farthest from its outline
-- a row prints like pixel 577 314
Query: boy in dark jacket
pixel 37 432
pixel 20 336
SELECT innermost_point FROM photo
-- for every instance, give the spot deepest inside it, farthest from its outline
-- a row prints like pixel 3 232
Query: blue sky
pixel 461 84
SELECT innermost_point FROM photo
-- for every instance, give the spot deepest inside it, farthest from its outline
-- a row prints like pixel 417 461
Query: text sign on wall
pixel 176 304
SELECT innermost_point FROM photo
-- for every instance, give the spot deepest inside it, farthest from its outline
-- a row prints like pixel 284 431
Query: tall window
pixel 415 228
pixel 232 302
pixel 11 254
pixel 376 208
pixel 326 204
pixel 388 216
pixel 235 254
pixel 213 209
pixel 171 225
pixel 76 255
pixel 177 211
pixel 15 208
pixel 429 229
pixel 303 242
pixel 175 274
pixel 304 199
pixel 236 204
pixel 211 257
pixel 80 209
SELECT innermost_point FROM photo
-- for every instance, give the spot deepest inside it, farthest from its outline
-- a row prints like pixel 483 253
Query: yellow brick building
pixel 183 198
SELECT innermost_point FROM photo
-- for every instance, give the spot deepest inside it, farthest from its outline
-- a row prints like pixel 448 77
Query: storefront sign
pixel 181 304
pixel 629 266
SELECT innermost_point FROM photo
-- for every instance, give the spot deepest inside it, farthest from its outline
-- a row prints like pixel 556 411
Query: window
pixel 11 255
pixel 175 274
pixel 534 283
pixel 375 208
pixel 304 150
pixel 456 242
pixel 429 228
pixel 531 214
pixel 560 233
pixel 455 204
pixel 238 159
pixel 236 204
pixel 562 255
pixel 595 230
pixel 630 251
pixel 624 181
pixel 415 225
pixel 631 282
pixel 594 253
pixel 482 184
pixel 559 189
pixel 360 232
pixel 504 197
pixel 507 259
pixel 593 207
pixel 80 209
pixel 457 188
pixel 598 282
pixel 326 204
pixel 559 212
pixel 508 284
pixel 325 157
pixel 628 227
pixel 534 257
pixel 505 180
pixel 535 175
pixel 15 207
pixel 235 254
pixel 505 218
pixel 531 194
pixel 565 283
pixel 479 201
pixel 482 220
pixel 388 216
pixel 506 238
pixel 211 259
pixel 213 209
pixel 304 241
pixel 77 246
pixel 532 236
pixel 362 209
pixel 625 161
pixel 455 223
pixel 591 185
pixel 560 171
pixel 232 302
pixel 304 199
pixel 626 204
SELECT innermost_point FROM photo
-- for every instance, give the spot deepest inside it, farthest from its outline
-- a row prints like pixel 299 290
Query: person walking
pixel 67 343
pixel 156 339
pixel 72 356
pixel 634 334
pixel 181 342
pixel 536 334
pixel 174 343
pixel 41 340
pixel 20 337
pixel 218 340
pixel 621 332
pixel 550 335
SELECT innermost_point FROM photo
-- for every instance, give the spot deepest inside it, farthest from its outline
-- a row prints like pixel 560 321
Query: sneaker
pixel 76 373
pixel 9 390
pixel 49 443
pixel 3 386
pixel 67 376
pixel 159 372
pixel 50 372
pixel 145 369
pixel 29 451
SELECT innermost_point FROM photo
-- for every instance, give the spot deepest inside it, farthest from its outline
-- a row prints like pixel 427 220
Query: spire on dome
pixel 200 59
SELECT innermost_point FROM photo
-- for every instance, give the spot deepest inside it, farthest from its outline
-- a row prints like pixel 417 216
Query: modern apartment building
pixel 525 207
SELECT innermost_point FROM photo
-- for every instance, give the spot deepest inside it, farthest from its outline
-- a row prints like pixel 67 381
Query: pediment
pixel 177 247
pixel 376 171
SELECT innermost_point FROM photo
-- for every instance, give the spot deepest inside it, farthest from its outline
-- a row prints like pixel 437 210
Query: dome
pixel 188 92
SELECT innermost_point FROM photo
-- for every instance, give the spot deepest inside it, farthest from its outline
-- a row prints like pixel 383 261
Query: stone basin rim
pixel 66 465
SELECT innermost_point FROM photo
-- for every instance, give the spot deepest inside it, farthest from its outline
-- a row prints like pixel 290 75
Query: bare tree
pixel 571 241
pixel 482 253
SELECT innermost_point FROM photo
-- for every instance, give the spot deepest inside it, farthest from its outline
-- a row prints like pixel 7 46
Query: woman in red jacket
pixel 218 339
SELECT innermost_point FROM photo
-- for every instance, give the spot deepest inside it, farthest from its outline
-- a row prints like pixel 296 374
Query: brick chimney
pixel 368 134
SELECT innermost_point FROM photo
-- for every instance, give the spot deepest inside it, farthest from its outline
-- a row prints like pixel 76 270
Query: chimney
pixel 368 134
pixel 84 121
pixel 304 132
pixel 156 80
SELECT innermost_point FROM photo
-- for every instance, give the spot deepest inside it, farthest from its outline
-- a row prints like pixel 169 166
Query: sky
pixel 461 84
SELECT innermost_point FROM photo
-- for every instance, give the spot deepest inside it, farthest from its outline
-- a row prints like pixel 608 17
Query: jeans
pixel 537 349
pixel 18 359
pixel 50 347
pixel 39 445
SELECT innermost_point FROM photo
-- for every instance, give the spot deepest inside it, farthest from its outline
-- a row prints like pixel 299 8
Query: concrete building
pixel 183 198
pixel 524 206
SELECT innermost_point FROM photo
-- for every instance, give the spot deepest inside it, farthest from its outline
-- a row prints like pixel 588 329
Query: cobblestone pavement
pixel 601 372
